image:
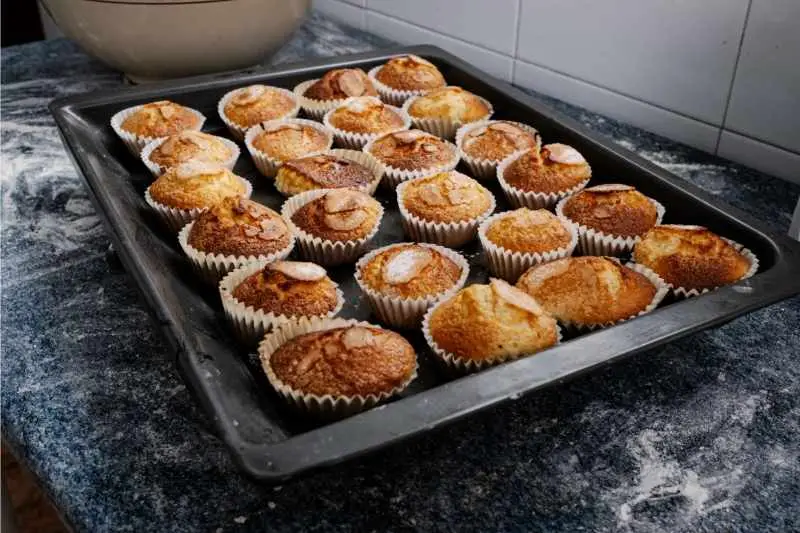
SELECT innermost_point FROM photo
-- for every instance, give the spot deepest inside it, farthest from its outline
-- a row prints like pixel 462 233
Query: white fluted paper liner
pixel 250 324
pixel 157 169
pixel 136 143
pixel 238 131
pixel 510 265
pixel 323 251
pixel 460 365
pixel 532 200
pixel 313 108
pixel 392 176
pixel 401 312
pixel 389 95
pixel 175 218
pixel 452 234
pixel 356 141
pixel 211 268
pixel 268 166
pixel 486 169
pixel 312 404
pixel 594 242
pixel 444 128
pixel 359 157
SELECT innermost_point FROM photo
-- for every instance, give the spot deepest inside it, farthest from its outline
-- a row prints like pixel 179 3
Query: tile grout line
pixel 516 41
pixel 733 76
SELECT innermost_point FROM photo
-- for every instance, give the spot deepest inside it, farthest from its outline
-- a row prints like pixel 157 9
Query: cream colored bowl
pixel 157 39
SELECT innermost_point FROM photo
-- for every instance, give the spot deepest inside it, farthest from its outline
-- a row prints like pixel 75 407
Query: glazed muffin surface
pixel 450 103
pixel 341 83
pixel 258 103
pixel 339 215
pixel 160 119
pixel 446 197
pixel 410 73
pixel 195 185
pixel 187 145
pixel 289 141
pixel 365 115
pixel 554 169
pixel 613 209
pixel 528 231
pixel 410 271
pixel 324 171
pixel 691 257
pixel 349 361
pixel 497 140
pixel 412 150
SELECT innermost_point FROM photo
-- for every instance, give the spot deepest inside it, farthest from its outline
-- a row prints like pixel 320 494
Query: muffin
pixel 360 119
pixel 401 281
pixel 183 192
pixel 692 259
pixel 333 226
pixel 276 141
pixel 189 145
pixel 514 241
pixel 443 111
pixel 540 178
pixel 411 154
pixel 484 325
pixel 231 233
pixel 243 108
pixel 403 77
pixel 139 125
pixel 445 208
pixel 258 296
pixel 610 218
pixel 482 145
pixel 592 292
pixel 332 169
pixel 321 95
pixel 334 368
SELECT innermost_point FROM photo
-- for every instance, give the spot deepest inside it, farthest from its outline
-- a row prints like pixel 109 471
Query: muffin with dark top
pixel 443 111
pixel 483 145
pixel 359 120
pixel 411 154
pixel 159 155
pixel 139 125
pixel 246 107
pixel 693 259
pixel 334 169
pixel 405 76
pixel 272 143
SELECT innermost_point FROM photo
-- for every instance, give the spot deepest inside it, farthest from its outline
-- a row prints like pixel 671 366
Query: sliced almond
pixel 167 110
pixel 271 229
pixel 298 270
pixel 340 200
pixel 408 137
pixel 611 187
pixel 251 231
pixel 406 265
pixel 429 148
pixel 362 105
pixel 602 211
pixel 419 60
pixel 561 153
pixel 457 180
pixel 460 196
pixel 240 207
pixel 194 168
pixel 249 95
pixel 539 274
pixel 308 359
pixel 432 195
pixel 477 132
pixel 345 221
pixel 515 297
pixel 167 147
pixel 538 217
pixel 357 337
pixel 351 83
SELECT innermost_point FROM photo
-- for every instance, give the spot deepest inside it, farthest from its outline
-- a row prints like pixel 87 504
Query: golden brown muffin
pixel 341 83
pixel 446 197
pixel 410 73
pixel 188 145
pixel 588 290
pixel 289 288
pixel 528 231
pixel 339 215
pixel 497 140
pixel 290 141
pixel 258 103
pixel 349 361
pixel 410 271
pixel 450 103
pixel 491 323
pixel 365 114
pixel 614 209
pixel 412 150
pixel 556 168
pixel 239 227
pixel 691 257
pixel 161 119
pixel 195 185
pixel 323 171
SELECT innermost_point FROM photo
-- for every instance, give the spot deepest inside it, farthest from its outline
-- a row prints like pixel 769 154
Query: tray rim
pixel 279 461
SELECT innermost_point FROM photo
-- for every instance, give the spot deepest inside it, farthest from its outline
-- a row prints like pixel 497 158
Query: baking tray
pixel 264 438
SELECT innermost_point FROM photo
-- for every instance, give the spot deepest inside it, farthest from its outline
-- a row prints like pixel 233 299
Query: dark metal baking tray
pixel 265 439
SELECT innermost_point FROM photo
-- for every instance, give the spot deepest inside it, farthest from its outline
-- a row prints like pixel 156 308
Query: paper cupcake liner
pixel 594 242
pixel 175 218
pixel 486 169
pixel 352 155
pixel 533 200
pixel 452 234
pixel 391 96
pixel 459 365
pixel 312 108
pixel 136 143
pixel 238 131
pixel 211 268
pixel 401 312
pixel 444 128
pixel 251 324
pixel 268 166
pixel 510 265
pixel 356 141
pixel 392 176
pixel 323 251
pixel 157 170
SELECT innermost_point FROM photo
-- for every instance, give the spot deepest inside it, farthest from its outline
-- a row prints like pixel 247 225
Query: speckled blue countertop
pixel 701 435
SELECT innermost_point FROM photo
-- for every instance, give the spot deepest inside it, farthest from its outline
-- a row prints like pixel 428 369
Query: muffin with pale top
pixel 243 108
pixel 443 111
pixel 361 119
pixel 483 145
pixel 272 143
pixel 137 126
pixel 403 77
pixel 189 145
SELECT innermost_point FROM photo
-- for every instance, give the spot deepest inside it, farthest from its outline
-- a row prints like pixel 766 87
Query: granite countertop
pixel 700 435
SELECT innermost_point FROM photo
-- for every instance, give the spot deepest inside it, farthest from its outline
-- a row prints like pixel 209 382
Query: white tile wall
pixel 679 68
